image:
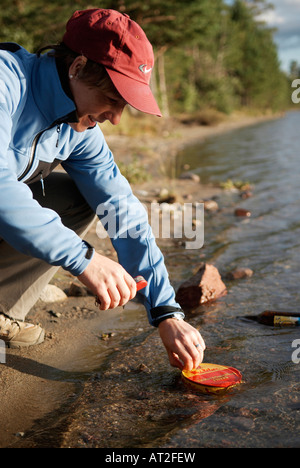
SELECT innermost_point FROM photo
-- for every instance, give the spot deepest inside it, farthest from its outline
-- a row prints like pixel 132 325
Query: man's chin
pixel 79 127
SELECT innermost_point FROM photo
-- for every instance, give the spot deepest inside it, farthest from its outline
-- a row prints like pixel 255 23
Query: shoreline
pixel 37 382
pixel 174 137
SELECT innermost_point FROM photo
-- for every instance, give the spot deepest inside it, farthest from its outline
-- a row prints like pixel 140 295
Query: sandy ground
pixel 36 382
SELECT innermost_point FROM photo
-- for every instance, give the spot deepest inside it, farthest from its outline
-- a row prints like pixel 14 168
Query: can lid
pixel 213 375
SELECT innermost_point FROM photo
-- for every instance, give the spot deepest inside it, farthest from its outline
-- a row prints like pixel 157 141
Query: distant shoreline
pixel 156 151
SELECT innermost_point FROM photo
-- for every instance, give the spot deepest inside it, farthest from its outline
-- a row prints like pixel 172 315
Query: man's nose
pixel 115 116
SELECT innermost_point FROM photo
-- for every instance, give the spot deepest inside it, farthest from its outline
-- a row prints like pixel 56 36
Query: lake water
pixel 265 412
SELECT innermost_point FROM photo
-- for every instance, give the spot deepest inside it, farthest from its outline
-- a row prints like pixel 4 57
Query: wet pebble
pixel 54 314
pixel 211 205
pixel 240 273
pixel 143 368
pixel 246 194
pixel 190 176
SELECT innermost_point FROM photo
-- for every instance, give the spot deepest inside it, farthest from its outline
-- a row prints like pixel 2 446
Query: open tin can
pixel 212 378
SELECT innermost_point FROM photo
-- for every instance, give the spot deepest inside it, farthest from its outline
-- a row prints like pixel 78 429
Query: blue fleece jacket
pixel 34 137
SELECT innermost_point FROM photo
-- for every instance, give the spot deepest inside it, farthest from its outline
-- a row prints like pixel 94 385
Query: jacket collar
pixel 50 93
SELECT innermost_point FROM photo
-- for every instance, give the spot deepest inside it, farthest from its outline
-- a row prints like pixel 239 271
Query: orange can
pixel 212 378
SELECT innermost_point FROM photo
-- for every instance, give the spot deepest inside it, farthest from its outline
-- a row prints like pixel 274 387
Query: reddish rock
pixel 205 286
pixel 241 212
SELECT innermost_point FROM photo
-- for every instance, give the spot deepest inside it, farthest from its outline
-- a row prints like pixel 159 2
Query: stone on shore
pixel 190 176
pixel 211 205
pixel 205 286
pixel 165 196
pixel 52 293
pixel 78 290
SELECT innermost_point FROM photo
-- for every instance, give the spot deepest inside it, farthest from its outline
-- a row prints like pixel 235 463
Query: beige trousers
pixel 22 278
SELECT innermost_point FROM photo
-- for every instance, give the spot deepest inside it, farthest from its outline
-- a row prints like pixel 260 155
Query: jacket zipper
pixel 58 134
pixel 32 154
pixel 42 184
pixel 33 149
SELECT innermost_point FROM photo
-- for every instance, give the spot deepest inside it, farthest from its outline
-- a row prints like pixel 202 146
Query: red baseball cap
pixel 114 40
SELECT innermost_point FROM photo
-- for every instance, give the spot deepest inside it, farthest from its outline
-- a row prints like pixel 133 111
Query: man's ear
pixel 77 65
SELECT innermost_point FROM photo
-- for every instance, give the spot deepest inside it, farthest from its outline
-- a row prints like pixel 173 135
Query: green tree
pixel 177 30
pixel 253 57
pixel 294 70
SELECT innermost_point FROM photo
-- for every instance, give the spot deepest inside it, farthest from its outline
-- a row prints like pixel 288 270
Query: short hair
pixel 93 74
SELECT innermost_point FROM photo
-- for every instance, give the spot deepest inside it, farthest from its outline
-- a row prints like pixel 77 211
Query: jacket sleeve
pixel 24 224
pixel 109 194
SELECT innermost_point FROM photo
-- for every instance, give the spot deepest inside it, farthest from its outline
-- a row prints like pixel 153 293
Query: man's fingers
pixel 131 285
pixel 110 282
pixel 199 342
pixel 103 300
pixel 195 348
pixel 175 361
pixel 115 297
pixel 184 356
pixel 183 342
pixel 117 293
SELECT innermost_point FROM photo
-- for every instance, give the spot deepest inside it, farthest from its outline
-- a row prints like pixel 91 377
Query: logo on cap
pixel 144 69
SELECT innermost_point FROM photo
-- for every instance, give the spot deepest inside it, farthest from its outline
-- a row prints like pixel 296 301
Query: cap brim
pixel 135 93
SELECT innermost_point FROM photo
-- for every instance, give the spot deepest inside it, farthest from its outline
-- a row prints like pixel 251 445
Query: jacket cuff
pixel 163 312
pixel 88 255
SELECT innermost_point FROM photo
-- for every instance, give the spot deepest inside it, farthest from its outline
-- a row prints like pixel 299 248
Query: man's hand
pixel 109 281
pixel 184 344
